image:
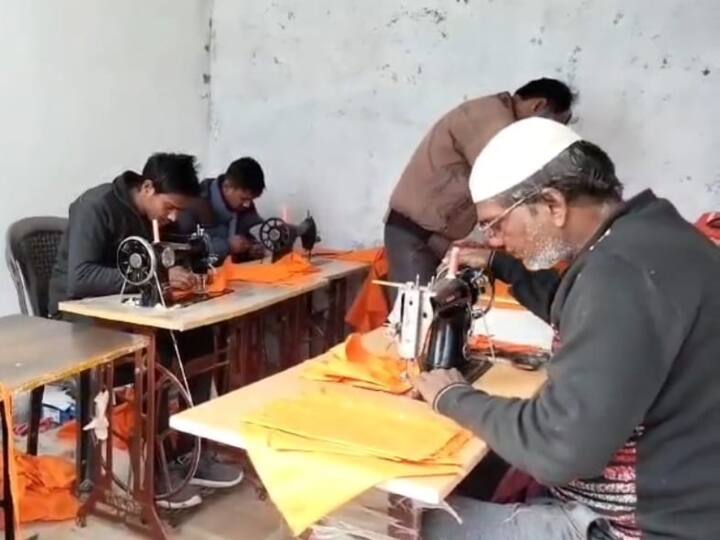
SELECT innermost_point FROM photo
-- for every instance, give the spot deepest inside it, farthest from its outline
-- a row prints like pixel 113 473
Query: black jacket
pixel 99 220
pixel 627 423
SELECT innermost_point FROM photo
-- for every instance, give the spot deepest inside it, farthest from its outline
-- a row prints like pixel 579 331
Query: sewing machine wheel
pixel 274 234
pixel 168 386
pixel 136 260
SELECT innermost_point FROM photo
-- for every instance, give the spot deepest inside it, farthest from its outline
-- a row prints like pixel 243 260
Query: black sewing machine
pixel 278 237
pixel 453 304
pixel 144 267
pixel 432 323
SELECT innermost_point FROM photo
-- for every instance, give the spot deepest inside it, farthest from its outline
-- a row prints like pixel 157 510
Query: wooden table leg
pixel 147 497
pixel 84 451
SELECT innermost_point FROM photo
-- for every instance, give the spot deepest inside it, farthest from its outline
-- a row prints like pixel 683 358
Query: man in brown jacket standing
pixel 431 206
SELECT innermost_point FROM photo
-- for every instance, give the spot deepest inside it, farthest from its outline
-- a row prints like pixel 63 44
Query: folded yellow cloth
pixel 316 452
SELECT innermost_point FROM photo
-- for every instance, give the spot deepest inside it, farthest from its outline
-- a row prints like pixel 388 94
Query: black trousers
pixel 409 255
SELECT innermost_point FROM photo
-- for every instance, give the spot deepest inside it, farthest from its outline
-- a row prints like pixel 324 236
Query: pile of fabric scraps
pixel 45 488
pixel 41 487
pixel 350 363
pixel 316 452
pixel 290 270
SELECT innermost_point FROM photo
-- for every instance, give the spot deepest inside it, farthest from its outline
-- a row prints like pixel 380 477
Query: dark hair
pixel 172 173
pixel 246 173
pixel 558 94
pixel 581 170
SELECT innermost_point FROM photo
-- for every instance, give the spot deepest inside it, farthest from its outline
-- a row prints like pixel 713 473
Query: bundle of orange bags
pixel 316 452
pixel 352 364
pixel 291 269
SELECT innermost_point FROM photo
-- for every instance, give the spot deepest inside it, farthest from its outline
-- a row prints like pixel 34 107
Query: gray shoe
pixel 187 497
pixel 215 474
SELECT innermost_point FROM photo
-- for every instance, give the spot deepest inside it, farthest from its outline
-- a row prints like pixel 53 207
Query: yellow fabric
pixel 352 364
pixel 282 441
pixel 364 424
pixel 316 452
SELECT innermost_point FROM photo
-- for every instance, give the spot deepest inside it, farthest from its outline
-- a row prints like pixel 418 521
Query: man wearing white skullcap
pixel 623 437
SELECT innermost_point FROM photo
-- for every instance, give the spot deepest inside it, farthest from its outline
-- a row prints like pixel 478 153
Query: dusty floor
pixel 236 513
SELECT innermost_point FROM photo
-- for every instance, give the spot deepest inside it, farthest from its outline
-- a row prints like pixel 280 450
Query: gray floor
pixel 231 514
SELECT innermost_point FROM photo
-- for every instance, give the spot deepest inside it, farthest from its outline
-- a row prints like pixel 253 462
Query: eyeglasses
pixel 493 227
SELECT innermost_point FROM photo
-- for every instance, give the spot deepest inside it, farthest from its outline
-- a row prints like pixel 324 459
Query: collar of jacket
pixel 121 190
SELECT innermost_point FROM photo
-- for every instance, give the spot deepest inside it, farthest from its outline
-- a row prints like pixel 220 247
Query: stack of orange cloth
pixel 352 364
pixel 289 270
pixel 316 452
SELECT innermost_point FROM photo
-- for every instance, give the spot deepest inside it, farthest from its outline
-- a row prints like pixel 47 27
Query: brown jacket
pixel 433 190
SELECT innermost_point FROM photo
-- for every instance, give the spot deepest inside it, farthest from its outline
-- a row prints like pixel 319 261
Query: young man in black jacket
pixel 227 211
pixel 99 220
pixel 623 434
pixel 105 215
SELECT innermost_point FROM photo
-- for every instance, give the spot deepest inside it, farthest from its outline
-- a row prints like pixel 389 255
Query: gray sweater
pixel 628 422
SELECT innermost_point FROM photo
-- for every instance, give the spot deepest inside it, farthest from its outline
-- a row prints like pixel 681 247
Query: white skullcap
pixel 516 153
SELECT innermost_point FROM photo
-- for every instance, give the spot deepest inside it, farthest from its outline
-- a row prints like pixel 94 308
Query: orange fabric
pixel 370 308
pixel 42 486
pixel 482 344
pixel 123 425
pixel 45 488
pixel 317 452
pixel 291 269
pixel 218 282
pixel 352 364
pixel 15 490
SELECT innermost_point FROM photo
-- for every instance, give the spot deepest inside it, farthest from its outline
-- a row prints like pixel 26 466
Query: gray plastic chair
pixel 31 250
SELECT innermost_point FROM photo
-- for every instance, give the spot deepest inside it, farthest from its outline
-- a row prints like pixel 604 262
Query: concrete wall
pixel 333 95
pixel 89 89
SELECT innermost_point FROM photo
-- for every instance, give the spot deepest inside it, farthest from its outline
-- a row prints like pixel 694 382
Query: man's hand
pixel 430 383
pixel 239 244
pixel 257 251
pixel 182 279
pixel 472 256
